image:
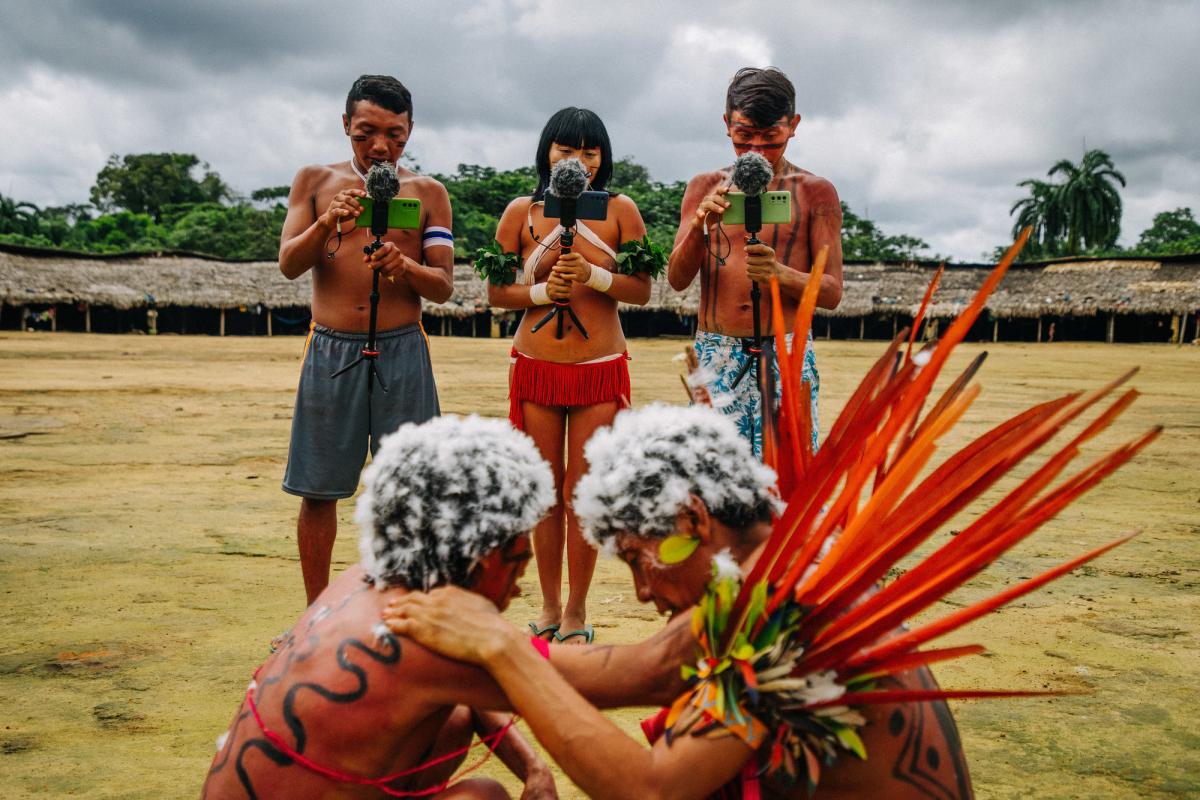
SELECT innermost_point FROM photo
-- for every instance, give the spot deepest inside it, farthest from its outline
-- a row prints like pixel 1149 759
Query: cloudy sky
pixel 924 115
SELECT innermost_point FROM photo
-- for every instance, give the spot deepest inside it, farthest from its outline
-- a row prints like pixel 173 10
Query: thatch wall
pixel 1077 287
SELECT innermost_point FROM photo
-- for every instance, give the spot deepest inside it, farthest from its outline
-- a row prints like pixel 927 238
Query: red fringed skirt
pixel 550 383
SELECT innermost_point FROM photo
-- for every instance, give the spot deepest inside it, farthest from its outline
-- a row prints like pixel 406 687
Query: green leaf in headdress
pixel 496 266
pixel 677 548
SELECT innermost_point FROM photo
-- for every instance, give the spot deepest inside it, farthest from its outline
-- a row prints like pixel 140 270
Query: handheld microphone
pixel 382 185
pixel 568 180
pixel 752 174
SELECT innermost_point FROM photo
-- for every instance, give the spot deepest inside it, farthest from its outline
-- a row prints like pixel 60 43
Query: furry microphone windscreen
pixel 382 182
pixel 752 173
pixel 568 179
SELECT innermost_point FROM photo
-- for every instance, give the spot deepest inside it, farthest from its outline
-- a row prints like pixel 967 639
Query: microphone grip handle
pixel 379 217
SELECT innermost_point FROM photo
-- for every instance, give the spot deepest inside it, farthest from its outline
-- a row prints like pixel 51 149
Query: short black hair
pixel 764 95
pixel 382 90
pixel 577 127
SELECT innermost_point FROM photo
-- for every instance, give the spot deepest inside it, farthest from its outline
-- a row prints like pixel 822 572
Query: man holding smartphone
pixel 760 117
pixel 336 419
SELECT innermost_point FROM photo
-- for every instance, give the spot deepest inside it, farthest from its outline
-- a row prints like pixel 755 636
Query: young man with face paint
pixel 696 479
pixel 336 419
pixel 760 117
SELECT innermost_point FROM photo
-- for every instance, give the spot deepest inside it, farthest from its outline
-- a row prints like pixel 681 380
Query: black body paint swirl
pixel 388 652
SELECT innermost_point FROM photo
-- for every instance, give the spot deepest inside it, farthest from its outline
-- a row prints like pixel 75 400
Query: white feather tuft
pixel 643 469
pixel 441 495
pixel 726 567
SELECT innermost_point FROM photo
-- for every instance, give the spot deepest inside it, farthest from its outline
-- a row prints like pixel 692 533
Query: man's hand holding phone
pixel 714 203
pixel 344 205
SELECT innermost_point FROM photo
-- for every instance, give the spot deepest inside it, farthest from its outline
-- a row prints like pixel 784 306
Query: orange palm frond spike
pixel 841 532
pixel 920 317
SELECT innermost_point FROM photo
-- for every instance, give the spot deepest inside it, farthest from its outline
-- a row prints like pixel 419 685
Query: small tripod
pixel 369 353
pixel 565 240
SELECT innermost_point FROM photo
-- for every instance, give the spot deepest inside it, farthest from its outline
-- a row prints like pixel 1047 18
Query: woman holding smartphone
pixel 561 389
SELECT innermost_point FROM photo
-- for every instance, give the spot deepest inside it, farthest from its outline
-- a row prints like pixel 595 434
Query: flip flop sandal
pixel 587 632
pixel 552 629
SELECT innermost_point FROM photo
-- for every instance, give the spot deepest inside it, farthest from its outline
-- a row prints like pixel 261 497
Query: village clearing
pixel 147 557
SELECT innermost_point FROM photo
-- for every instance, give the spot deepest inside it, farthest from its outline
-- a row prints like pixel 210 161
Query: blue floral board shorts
pixel 722 358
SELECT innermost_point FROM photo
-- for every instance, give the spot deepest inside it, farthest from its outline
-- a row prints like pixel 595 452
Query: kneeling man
pixel 345 708
pixel 671 491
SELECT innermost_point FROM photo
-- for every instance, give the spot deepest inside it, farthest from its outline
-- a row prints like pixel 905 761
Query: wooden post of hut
pixel 895 318
pixel 54 318
pixel 1112 326
pixel 222 321
pixel 1039 338
pixel 1182 329
pixel 87 317
pixel 862 328
pixel 995 329
pixel 268 321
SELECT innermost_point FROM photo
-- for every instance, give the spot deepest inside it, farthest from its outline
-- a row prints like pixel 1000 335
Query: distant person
pixel 562 389
pixel 334 423
pixel 760 117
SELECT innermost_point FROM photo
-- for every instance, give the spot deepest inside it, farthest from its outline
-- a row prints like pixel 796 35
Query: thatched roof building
pixel 1071 287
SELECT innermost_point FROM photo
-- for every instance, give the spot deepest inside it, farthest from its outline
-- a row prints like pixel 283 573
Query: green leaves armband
pixel 496 266
pixel 641 256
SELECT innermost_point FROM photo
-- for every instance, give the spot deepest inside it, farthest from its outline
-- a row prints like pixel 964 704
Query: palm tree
pixel 1040 212
pixel 1089 201
pixel 17 217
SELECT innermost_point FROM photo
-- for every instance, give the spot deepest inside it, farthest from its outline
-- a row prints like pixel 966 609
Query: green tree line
pixel 174 201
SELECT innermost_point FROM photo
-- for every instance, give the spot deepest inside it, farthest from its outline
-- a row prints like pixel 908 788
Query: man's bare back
pixel 725 288
pixel 350 697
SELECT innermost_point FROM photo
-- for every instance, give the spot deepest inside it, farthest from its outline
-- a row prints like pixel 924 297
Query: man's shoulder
pixel 812 184
pixel 419 183
pixel 317 176
pixel 710 178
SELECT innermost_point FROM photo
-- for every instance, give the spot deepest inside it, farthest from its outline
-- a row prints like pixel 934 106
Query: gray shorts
pixel 334 424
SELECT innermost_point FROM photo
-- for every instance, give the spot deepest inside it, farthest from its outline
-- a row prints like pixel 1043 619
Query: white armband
pixel 600 279
pixel 539 295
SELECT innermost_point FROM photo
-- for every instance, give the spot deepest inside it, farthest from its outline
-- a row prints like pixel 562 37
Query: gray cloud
pixel 927 113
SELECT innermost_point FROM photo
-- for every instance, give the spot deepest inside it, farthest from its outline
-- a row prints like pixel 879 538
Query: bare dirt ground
pixel 147 557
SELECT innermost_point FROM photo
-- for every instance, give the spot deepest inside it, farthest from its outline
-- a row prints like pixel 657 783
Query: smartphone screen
pixel 404 213
pixel 776 208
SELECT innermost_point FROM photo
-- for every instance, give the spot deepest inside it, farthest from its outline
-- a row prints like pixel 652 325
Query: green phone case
pixel 403 213
pixel 776 208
